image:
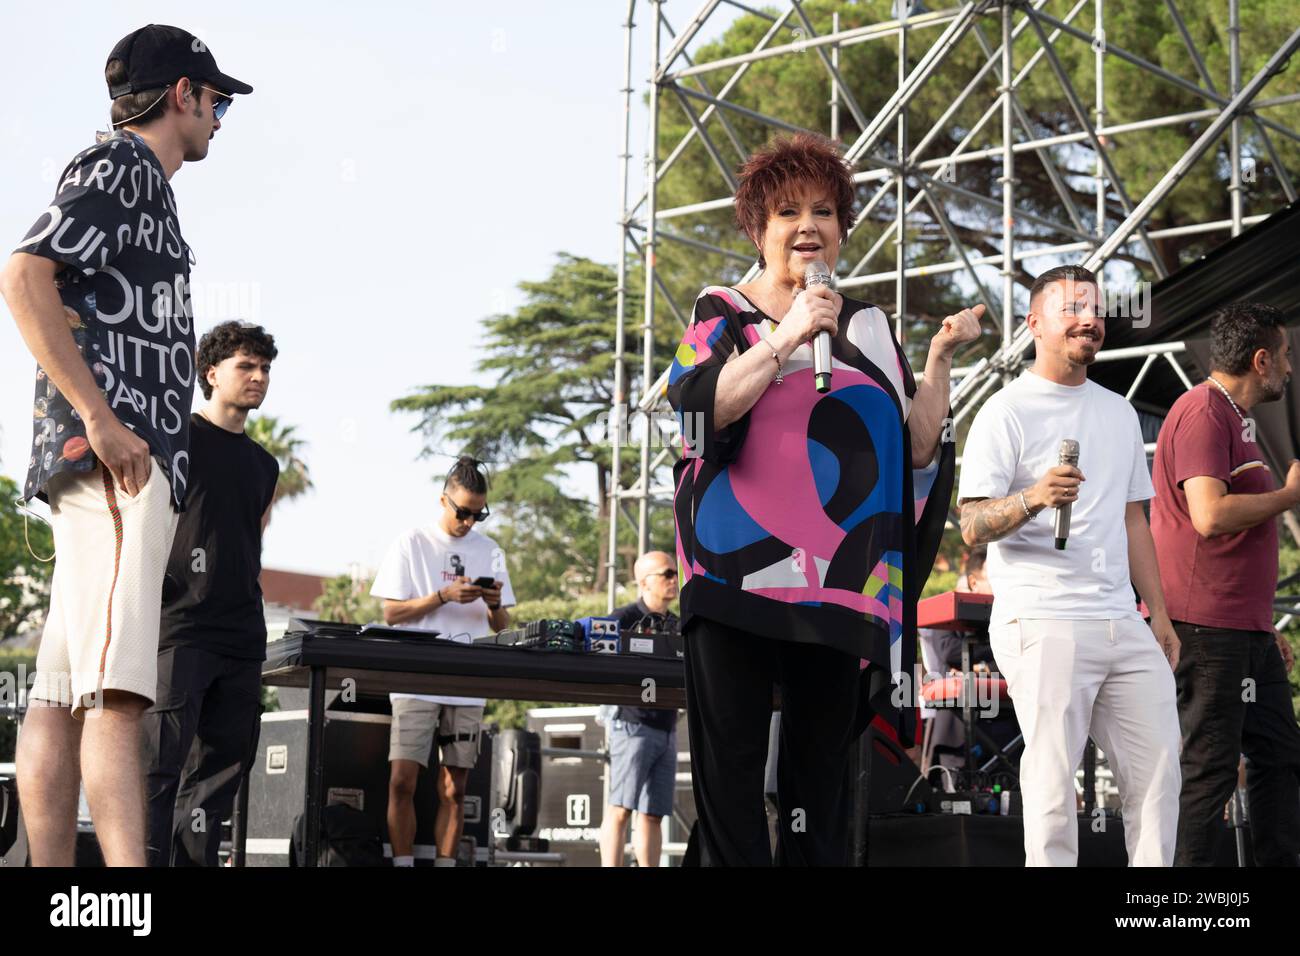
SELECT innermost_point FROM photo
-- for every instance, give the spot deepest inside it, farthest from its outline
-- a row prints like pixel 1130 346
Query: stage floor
pixel 942 839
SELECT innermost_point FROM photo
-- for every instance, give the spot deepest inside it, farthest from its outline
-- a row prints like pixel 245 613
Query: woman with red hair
pixel 797 516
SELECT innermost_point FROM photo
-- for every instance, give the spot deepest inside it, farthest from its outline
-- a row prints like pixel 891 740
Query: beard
pixel 1082 354
pixel 1274 390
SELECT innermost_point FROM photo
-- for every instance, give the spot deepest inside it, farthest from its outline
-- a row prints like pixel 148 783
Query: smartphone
pixel 484 582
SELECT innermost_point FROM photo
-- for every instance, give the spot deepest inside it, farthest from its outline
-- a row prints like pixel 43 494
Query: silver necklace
pixel 1234 405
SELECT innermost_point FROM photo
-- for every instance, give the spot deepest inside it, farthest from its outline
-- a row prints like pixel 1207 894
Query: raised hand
pixel 958 329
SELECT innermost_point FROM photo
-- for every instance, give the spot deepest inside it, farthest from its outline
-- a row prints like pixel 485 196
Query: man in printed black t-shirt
pixel 202 730
pixel 99 289
pixel 642 740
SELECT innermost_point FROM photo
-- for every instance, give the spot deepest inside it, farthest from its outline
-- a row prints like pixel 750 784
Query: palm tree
pixel 280 441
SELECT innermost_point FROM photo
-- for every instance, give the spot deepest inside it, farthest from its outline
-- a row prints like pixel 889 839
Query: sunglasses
pixel 220 102
pixel 464 514
pixel 666 573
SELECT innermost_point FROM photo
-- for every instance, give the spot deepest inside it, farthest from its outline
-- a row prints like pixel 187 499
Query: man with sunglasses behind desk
pixel 435 577
pixel 642 740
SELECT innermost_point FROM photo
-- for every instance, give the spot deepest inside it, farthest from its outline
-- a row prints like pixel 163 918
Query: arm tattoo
pixel 988 519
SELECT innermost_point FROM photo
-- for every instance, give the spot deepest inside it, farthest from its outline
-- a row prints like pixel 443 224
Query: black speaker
pixel 894 780
pixel 14 849
pixel 356 774
pixel 516 782
pixel 8 814
pixel 13 835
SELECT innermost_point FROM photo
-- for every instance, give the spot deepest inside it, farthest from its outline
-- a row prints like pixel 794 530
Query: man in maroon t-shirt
pixel 1214 520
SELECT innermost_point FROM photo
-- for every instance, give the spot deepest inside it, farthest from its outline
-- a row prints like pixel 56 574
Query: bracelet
pixel 1028 513
pixel 779 372
pixel 441 600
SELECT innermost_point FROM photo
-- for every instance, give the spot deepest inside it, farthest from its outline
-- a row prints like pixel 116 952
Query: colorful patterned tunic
pixel 797 521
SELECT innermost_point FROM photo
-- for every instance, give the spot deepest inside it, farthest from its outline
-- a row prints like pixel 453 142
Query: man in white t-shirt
pixel 1078 658
pixel 435 578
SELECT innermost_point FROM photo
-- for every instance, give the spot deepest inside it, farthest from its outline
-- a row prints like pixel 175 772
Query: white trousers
pixel 1109 679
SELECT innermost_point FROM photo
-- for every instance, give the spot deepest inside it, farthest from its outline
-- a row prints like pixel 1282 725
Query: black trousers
pixel 200 739
pixel 729 679
pixel 1219 672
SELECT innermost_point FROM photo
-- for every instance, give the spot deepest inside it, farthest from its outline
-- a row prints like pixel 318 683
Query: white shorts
pixel 106 595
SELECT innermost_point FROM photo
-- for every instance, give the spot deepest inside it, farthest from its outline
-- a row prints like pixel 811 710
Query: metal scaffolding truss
pixel 914 180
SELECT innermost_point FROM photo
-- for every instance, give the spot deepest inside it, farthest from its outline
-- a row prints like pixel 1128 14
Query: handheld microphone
pixel 1069 455
pixel 819 273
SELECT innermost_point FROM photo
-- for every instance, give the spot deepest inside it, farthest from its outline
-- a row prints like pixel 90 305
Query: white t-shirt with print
pixel 1014 439
pixel 422 561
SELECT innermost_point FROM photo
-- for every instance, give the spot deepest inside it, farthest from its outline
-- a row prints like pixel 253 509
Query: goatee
pixel 1082 357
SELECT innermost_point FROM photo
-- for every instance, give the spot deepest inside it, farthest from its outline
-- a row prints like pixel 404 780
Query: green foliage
pixel 797 87
pixel 511 714
pixel 24 581
pixel 550 364
pixel 939 582
pixel 568 608
pixel 286 448
pixel 550 539
pixel 544 417
pixel 270 699
pixel 349 602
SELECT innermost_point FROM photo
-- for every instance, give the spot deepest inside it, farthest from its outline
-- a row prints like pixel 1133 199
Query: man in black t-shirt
pixel 201 733
pixel 99 289
pixel 642 740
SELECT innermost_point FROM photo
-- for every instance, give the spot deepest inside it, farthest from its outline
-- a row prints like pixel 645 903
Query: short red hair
pixel 786 161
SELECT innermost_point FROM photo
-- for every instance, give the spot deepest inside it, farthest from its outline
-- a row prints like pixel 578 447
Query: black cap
pixel 158 55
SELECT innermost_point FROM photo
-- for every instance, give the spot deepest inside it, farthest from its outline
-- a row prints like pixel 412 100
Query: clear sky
pixel 397 170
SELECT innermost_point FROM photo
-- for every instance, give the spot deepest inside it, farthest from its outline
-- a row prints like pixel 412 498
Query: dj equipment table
pixel 324 656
